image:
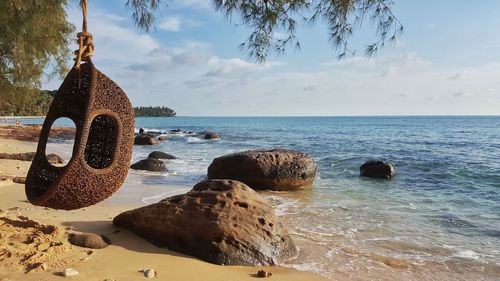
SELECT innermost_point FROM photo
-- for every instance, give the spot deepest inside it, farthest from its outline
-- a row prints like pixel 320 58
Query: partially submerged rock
pixel 276 169
pixel 211 136
pixel 377 169
pixel 145 139
pixel 219 221
pixel 89 240
pixel 163 137
pixel 161 155
pixel 149 164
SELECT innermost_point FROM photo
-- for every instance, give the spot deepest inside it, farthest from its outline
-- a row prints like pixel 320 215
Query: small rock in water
pixel 211 136
pixel 68 272
pixel 377 169
pixel 264 274
pixel 149 164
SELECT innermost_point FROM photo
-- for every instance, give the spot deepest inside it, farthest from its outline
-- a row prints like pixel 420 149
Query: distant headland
pixel 34 104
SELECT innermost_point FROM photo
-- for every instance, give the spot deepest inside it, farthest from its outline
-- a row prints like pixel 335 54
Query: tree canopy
pixel 33 33
pixel 273 23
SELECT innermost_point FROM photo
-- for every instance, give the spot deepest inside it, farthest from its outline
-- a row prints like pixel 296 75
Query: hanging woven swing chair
pixel 102 149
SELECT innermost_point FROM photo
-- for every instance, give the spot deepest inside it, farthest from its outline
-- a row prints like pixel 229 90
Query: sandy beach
pixel 34 246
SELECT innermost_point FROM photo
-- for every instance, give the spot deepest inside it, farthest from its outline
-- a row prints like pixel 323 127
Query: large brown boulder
pixel 219 221
pixel 145 139
pixel 276 169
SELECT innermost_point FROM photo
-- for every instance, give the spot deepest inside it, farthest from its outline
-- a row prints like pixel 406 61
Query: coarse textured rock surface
pixel 377 169
pixel 149 164
pixel 276 169
pixel 145 139
pixel 219 221
pixel 161 155
pixel 88 240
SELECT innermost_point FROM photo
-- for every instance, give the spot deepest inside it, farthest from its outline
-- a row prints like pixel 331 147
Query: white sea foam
pixel 194 140
pixel 311 266
pixel 467 254
pixel 158 197
pixel 283 206
pixel 148 130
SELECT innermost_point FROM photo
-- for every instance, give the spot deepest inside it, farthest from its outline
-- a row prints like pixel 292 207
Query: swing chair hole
pixel 101 142
pixel 60 142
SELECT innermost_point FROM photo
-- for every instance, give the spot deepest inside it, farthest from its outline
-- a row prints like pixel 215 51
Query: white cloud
pixel 234 67
pixel 170 24
pixel 459 75
pixel 462 93
pixel 200 4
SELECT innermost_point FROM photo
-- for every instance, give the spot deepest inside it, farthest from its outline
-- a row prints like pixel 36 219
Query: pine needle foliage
pixel 273 23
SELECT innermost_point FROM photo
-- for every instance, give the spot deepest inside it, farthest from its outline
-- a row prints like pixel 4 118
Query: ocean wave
pixel 467 254
pixel 283 206
pixel 194 140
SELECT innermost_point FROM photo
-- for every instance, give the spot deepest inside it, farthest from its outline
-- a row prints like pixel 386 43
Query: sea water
pixel 437 219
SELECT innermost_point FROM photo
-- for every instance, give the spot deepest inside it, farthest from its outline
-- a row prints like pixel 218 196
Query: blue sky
pixel 446 62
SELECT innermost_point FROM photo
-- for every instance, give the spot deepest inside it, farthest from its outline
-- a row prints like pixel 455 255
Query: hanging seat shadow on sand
pixel 102 149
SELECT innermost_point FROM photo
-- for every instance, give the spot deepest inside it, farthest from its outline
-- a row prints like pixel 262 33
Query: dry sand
pixel 33 241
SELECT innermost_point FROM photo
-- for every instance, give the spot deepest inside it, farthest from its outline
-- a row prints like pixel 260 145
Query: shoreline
pixel 21 117
pixel 122 260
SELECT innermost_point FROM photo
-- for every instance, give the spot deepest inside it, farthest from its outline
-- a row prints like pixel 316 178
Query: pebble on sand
pixel 70 272
pixel 263 274
pixel 148 272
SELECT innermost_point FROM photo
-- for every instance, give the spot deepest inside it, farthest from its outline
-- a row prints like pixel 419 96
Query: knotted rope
pixel 85 40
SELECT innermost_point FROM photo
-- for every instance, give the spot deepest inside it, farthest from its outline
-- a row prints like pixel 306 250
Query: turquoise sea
pixel 438 219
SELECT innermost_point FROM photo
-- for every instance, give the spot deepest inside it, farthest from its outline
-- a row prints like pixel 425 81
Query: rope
pixel 85 40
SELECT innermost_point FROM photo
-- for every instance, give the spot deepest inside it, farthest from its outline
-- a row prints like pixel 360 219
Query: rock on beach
pixel 88 240
pixel 219 221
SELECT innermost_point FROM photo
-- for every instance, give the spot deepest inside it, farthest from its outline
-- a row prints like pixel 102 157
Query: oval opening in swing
pixel 101 142
pixel 60 143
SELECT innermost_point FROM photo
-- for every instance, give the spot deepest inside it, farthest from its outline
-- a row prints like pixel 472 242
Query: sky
pixel 447 62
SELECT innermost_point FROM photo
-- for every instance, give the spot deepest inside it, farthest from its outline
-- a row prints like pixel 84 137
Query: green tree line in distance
pixel 153 111
pixel 20 101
